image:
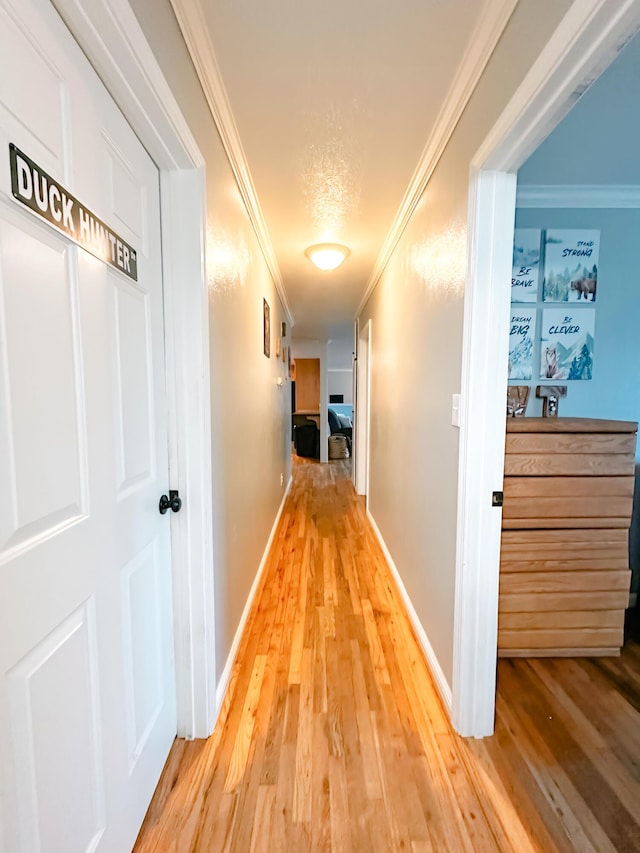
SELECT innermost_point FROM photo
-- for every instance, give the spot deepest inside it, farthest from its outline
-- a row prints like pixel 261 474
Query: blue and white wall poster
pixel 521 337
pixel 566 348
pixel 526 265
pixel 571 265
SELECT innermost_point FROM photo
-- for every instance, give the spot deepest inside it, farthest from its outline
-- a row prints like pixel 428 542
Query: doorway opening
pixel 573 349
pixel 585 43
pixel 305 404
pixel 340 380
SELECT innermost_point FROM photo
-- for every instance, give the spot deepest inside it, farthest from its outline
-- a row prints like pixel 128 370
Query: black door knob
pixel 173 502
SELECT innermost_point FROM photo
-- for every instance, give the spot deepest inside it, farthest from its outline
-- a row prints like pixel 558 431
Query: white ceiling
pixel 334 103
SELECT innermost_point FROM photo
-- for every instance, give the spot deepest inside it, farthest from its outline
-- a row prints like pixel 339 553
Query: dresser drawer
pixel 563 550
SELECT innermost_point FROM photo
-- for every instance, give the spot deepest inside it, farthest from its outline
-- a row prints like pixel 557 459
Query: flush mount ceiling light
pixel 327 256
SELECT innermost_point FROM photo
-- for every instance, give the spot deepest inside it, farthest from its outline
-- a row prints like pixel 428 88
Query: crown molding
pixel 481 45
pixel 194 30
pixel 585 195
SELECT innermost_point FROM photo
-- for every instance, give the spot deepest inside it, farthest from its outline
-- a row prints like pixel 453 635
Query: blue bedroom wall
pixel 597 142
pixel 614 391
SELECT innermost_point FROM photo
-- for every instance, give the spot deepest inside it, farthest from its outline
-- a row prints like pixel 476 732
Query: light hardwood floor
pixel 332 737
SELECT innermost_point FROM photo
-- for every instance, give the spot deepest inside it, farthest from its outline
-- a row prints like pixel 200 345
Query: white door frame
pixel 588 38
pixel 354 413
pixel 111 37
pixel 363 410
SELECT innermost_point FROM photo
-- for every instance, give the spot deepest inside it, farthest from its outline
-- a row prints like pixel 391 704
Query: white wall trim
pixel 439 678
pixel 586 195
pixel 225 677
pixel 354 442
pixel 481 466
pixel 196 35
pixel 121 55
pixel 363 411
pixel 587 39
pixel 113 41
pixel 188 387
pixel 481 45
pixel 324 402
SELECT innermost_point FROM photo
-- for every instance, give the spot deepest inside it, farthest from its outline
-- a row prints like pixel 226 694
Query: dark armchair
pixel 306 437
pixel 336 427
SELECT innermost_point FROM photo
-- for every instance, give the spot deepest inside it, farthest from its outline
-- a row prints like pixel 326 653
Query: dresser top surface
pixel 569 425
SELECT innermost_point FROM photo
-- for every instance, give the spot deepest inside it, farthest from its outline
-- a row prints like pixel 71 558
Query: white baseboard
pixel 442 685
pixel 223 683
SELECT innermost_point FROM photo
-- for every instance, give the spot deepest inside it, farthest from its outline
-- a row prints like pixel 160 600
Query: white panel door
pixel 87 696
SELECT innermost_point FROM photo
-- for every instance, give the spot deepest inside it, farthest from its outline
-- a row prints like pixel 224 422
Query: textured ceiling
pixel 334 103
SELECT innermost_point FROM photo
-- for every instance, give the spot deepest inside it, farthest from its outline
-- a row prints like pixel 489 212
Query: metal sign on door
pixel 33 187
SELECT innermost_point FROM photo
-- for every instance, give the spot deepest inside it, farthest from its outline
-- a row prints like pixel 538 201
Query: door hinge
pixel 497 499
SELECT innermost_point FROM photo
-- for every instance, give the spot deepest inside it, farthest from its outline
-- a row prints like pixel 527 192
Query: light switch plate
pixel 455 410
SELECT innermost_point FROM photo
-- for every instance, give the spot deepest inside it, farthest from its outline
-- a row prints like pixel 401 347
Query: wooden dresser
pixel 564 568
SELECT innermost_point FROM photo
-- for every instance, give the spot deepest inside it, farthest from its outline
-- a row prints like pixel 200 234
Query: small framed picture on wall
pixel 266 317
pixel 566 343
pixel 526 265
pixel 522 331
pixel 571 265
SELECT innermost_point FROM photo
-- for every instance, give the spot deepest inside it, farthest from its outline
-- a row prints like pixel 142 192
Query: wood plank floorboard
pixel 332 736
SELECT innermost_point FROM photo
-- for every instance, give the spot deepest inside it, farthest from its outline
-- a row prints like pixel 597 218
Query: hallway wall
pixel 417 322
pixel 250 414
pixel 340 367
